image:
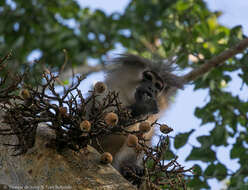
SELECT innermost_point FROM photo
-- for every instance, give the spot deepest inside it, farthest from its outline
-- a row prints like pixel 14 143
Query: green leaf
pixel 212 23
pixel 150 163
pixel 197 183
pixel 168 155
pixel 238 151
pixel 197 170
pixel 65 82
pixel 182 5
pixel 219 135
pixel 203 154
pixel 206 141
pixel 242 120
pixel 218 171
pixel 181 139
pixel 209 172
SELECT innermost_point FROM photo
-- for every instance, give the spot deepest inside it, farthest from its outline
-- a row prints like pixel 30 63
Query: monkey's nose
pixel 142 95
pixel 147 96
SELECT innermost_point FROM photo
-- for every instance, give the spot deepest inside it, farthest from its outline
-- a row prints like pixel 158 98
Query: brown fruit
pixel 63 111
pixel 144 127
pixel 100 87
pixel 132 140
pixel 25 94
pixel 85 126
pixel 111 119
pixel 165 129
pixel 138 149
pixel 106 158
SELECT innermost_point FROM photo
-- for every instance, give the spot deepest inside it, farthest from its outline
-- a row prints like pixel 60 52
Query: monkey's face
pixel 147 93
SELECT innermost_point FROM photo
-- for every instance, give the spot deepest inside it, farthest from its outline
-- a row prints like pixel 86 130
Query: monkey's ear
pixel 173 80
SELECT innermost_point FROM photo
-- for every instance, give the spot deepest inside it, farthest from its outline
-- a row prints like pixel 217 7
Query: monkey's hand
pixel 132 173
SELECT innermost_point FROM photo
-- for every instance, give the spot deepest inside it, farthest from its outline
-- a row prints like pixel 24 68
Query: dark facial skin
pixel 146 95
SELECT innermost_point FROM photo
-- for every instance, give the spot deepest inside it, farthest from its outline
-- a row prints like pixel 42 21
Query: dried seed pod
pixel 138 149
pixel 100 87
pixel 25 94
pixel 106 158
pixel 85 126
pixel 132 140
pixel 165 129
pixel 63 111
pixel 76 147
pixel 144 127
pixel 111 119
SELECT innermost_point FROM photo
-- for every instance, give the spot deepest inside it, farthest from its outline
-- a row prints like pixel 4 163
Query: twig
pixel 65 61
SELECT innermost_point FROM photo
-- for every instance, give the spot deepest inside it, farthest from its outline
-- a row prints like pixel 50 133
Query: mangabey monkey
pixel 145 88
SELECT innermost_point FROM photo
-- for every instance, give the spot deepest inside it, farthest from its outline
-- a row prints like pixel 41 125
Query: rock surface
pixel 44 168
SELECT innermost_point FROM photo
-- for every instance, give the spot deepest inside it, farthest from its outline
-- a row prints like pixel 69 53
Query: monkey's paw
pixel 132 173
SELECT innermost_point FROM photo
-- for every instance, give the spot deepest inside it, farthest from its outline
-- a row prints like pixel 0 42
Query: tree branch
pixel 216 61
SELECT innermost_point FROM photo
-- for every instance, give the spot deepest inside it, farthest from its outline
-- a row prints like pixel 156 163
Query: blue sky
pixel 180 116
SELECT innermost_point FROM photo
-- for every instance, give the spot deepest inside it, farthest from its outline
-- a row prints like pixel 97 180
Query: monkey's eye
pixel 159 85
pixel 148 75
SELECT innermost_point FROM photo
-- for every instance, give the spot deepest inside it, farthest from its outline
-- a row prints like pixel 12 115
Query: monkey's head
pixel 144 86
